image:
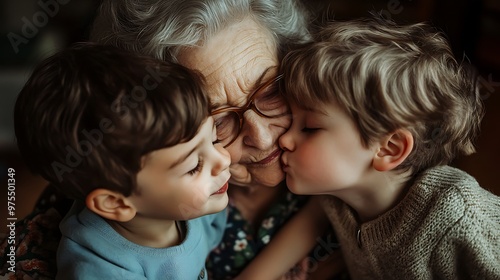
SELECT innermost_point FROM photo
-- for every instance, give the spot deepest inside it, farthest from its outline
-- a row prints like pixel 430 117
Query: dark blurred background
pixel 34 29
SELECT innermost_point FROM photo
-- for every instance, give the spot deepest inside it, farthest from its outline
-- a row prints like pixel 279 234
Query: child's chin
pixel 293 186
pixel 222 202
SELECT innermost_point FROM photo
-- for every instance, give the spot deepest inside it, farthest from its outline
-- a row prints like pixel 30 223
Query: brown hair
pixel 388 77
pixel 89 113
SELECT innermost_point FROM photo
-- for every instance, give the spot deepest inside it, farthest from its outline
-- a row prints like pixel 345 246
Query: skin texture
pixel 323 154
pixel 181 182
pixel 235 62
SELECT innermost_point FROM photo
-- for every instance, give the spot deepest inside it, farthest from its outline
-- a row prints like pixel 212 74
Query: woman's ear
pixel 393 150
pixel 110 205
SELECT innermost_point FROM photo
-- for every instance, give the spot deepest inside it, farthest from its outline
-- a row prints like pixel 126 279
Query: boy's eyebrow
pixel 184 157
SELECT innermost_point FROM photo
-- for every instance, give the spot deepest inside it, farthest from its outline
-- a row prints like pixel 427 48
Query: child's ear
pixel 393 150
pixel 110 205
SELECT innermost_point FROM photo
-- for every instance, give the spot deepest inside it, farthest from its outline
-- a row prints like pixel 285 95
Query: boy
pixel 131 139
pixel 379 110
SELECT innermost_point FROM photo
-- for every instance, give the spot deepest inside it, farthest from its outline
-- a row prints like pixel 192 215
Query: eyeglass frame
pixel 250 105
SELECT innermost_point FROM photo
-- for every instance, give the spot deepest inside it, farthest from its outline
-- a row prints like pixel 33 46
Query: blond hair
pixel 388 77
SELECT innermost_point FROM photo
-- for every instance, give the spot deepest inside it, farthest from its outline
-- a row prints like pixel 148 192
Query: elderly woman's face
pixel 235 62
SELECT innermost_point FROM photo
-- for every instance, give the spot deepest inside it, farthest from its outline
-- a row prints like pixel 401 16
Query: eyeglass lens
pixel 267 102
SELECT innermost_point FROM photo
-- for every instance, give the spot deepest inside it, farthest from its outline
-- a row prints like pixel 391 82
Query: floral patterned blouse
pixel 36 240
pixel 242 241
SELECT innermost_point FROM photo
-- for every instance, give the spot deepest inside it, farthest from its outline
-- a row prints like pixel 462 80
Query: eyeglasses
pixel 266 101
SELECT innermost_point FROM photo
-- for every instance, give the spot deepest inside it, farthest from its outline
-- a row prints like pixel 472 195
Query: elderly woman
pixel 236 45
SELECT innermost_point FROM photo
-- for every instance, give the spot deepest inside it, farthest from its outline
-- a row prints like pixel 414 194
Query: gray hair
pixel 161 28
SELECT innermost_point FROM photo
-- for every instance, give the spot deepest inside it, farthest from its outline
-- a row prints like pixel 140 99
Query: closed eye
pixel 309 129
pixel 197 169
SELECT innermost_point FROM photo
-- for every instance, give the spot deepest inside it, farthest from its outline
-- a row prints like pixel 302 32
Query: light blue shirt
pixel 91 249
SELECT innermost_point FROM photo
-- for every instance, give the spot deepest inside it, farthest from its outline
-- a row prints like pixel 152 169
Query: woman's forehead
pixel 234 61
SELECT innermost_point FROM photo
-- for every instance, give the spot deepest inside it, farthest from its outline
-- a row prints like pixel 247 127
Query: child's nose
pixel 286 141
pixel 222 160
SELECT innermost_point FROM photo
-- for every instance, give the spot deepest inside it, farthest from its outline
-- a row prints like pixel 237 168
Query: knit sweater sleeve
pixel 473 241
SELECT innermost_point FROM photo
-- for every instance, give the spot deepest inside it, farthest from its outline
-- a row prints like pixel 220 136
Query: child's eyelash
pixel 198 168
pixel 309 129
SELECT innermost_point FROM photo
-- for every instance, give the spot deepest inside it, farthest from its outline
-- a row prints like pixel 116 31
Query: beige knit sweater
pixel 446 227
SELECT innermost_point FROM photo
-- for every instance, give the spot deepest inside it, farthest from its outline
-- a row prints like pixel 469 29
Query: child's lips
pixel 223 189
pixel 284 166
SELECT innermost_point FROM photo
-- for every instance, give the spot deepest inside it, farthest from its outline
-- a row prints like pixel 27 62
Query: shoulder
pixel 75 261
pixel 82 226
pixel 461 220
pixel 446 177
pixel 459 205
pixel 449 187
pixel 444 199
pixel 89 242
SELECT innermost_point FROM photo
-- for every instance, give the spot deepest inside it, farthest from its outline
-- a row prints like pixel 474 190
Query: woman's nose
pixel 257 131
pixel 222 160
